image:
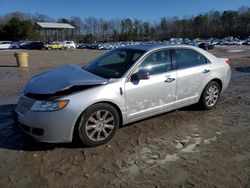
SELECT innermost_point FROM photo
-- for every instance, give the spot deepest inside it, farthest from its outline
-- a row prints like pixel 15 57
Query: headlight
pixel 49 105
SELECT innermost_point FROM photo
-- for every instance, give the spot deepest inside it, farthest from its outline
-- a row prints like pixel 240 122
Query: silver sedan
pixel 125 85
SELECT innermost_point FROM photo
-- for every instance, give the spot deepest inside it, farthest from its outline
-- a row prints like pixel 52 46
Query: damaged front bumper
pixel 53 127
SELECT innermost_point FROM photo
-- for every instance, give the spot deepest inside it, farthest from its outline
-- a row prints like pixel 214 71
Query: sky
pixel 149 10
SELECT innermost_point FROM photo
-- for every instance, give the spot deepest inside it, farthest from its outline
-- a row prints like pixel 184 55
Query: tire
pixel 210 95
pixel 98 124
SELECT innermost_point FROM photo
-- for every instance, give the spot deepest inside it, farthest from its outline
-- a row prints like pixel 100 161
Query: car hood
pixel 62 78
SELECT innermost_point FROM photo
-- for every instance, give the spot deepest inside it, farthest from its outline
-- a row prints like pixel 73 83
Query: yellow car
pixel 55 45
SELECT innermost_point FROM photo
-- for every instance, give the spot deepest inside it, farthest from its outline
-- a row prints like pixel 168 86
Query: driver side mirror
pixel 140 75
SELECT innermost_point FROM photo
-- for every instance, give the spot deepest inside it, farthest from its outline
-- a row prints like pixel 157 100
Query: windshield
pixel 114 63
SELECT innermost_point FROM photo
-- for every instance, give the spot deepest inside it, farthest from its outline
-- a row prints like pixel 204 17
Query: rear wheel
pixel 98 124
pixel 210 95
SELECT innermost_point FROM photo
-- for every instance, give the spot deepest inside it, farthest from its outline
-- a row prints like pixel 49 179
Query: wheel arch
pixel 218 81
pixel 215 80
pixel 74 134
pixel 116 107
pixel 201 98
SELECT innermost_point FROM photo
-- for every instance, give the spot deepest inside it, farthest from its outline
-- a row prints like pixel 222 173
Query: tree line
pixel 20 26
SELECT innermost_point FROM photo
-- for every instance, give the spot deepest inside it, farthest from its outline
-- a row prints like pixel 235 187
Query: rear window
pixel 186 58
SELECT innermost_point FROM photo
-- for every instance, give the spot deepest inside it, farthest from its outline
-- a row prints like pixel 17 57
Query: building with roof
pixel 55 31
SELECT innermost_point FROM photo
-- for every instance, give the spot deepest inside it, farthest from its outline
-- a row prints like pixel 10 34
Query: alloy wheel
pixel 212 95
pixel 100 125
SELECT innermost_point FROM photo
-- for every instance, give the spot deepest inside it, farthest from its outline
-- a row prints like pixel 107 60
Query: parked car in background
pixel 92 46
pixel 55 45
pixel 108 46
pixel 9 45
pixel 5 44
pixel 69 44
pixel 91 102
pixel 246 42
pixel 206 45
pixel 23 43
pixel 82 46
pixel 33 46
pixel 236 41
pixel 15 45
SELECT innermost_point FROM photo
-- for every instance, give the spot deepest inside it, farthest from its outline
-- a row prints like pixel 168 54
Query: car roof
pixel 156 46
pixel 148 47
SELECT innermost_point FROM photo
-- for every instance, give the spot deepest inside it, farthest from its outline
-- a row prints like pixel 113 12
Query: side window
pixel 201 59
pixel 188 58
pixel 157 62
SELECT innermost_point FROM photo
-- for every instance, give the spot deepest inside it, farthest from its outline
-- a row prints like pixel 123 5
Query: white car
pixel 125 85
pixel 8 45
pixel 69 44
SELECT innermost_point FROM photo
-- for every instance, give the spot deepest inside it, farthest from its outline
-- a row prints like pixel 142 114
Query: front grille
pixel 24 104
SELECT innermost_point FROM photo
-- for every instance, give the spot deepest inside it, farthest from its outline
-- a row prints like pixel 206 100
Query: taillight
pixel 228 62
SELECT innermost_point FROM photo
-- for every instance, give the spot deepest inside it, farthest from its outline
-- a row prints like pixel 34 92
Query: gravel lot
pixel 183 148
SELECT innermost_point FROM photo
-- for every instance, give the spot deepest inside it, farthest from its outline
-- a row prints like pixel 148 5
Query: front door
pixel 151 96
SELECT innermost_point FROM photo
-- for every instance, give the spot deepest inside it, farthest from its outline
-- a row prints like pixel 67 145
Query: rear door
pixel 192 71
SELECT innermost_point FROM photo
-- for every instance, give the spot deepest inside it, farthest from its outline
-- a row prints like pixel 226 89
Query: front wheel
pixel 210 95
pixel 98 124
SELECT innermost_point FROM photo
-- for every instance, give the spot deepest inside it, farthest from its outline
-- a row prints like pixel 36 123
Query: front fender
pixel 79 102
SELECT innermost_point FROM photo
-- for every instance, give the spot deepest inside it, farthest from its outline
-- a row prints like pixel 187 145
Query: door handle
pixel 206 71
pixel 169 80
